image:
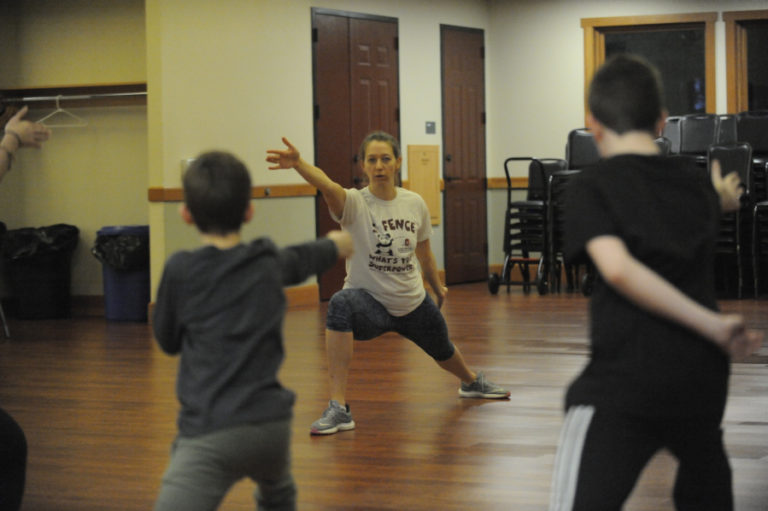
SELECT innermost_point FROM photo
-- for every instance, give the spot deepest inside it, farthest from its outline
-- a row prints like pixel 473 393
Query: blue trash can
pixel 124 253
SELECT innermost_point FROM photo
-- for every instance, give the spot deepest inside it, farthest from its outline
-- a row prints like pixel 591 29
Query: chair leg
pixel 5 323
pixel 740 282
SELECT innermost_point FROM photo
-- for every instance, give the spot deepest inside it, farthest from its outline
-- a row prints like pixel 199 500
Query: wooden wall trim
pixel 745 15
pixel 407 184
pixel 736 57
pixel 158 194
pixel 500 183
pixel 594 44
pixel 653 19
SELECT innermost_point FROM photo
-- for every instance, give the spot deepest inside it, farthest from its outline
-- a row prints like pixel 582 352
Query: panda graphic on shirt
pixel 394 247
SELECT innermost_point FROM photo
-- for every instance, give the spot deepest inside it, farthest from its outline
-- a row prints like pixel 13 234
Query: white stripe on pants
pixel 568 458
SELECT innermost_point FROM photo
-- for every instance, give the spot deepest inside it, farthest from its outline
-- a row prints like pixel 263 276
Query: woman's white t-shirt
pixel 385 233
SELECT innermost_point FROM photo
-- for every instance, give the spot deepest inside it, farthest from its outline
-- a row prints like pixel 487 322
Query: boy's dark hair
pixel 217 191
pixel 626 94
pixel 380 136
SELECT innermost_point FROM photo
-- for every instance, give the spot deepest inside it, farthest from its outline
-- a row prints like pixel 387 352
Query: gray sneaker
pixel 335 418
pixel 482 388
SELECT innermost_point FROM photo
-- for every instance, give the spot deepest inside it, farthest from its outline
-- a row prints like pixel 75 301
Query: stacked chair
pixel 697 133
pixel 528 228
pixel 533 228
pixel 759 242
pixel 735 157
pixel 671 132
pixel 726 132
pixel 664 145
pixel 744 231
pixel 556 190
pixel 580 149
pixel 525 226
pixel 752 127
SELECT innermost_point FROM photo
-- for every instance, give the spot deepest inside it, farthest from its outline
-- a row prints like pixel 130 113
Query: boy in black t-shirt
pixel 221 308
pixel 658 372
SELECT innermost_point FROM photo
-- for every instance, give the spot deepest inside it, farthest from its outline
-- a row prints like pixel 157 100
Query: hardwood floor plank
pixel 97 403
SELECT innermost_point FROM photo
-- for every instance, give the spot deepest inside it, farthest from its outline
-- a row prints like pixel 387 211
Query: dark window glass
pixel 757 64
pixel 679 56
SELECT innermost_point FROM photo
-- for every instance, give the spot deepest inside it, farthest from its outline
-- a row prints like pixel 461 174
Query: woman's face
pixel 380 164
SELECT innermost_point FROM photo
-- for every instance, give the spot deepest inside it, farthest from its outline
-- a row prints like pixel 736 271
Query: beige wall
pixel 237 75
pixel 92 176
pixel 252 83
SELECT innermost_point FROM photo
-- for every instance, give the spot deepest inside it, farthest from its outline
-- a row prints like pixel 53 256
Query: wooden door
pixel 355 92
pixel 464 201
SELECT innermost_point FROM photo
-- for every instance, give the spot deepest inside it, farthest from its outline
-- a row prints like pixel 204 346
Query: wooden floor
pixel 96 400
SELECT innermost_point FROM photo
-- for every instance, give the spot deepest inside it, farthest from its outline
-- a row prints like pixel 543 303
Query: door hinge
pixel 482 118
pixel 314 35
pixel 397 43
pixel 482 52
pixel 317 112
pixel 397 115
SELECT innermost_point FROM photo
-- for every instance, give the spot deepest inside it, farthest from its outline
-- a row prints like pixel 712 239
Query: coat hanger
pixel 71 120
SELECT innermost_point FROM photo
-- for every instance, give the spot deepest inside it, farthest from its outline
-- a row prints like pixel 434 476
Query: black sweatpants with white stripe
pixel 601 455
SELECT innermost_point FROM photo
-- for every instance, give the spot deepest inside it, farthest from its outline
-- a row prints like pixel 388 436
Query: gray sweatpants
pixel 202 469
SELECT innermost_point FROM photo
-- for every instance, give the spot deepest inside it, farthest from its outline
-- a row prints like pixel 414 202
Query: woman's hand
pixel 28 133
pixel 284 159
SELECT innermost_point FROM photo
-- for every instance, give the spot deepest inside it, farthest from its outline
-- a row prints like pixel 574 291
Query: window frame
pixel 736 72
pixel 594 43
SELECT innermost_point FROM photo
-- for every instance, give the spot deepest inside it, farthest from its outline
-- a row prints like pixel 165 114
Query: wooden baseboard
pixel 87 306
pixel 302 295
pixel 295 297
pixel 515 275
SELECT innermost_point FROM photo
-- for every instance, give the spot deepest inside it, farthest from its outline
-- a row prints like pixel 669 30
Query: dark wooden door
pixel 464 201
pixel 355 92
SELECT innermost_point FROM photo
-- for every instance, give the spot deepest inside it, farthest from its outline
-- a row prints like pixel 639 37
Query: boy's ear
pixel 186 215
pixel 248 213
pixel 595 127
pixel 661 122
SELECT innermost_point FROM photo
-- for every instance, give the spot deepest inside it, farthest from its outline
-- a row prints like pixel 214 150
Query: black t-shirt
pixel 667 213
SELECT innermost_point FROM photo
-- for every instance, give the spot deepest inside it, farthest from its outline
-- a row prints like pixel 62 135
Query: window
pixel 681 46
pixel 746 55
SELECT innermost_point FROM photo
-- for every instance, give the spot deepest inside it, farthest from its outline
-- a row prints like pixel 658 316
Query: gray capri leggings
pixel 356 311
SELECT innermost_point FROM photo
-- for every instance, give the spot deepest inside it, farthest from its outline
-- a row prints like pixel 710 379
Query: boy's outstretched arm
pixel 334 193
pixel 345 247
pixel 648 290
pixel 298 262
